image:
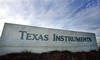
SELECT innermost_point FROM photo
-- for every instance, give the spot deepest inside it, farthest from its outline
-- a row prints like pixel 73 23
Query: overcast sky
pixel 75 15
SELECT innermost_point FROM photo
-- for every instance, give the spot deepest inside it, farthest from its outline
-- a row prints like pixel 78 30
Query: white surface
pixel 11 40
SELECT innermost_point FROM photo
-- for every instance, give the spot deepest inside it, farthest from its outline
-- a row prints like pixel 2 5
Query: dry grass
pixel 53 55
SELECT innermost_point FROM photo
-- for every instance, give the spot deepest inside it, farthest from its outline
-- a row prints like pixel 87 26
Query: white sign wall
pixel 16 38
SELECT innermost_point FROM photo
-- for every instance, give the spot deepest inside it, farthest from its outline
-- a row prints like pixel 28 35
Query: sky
pixel 75 15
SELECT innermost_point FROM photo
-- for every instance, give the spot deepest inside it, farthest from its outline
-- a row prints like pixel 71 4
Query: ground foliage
pixel 53 55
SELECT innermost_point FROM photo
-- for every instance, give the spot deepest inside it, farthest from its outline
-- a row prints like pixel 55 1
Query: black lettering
pixel 77 39
pixel 61 38
pixel 69 38
pixel 35 36
pixel 22 34
pixel 66 38
pixel 40 37
pixel 54 38
pixel 46 37
pixel 28 37
pixel 89 39
pixel 57 38
pixel 83 39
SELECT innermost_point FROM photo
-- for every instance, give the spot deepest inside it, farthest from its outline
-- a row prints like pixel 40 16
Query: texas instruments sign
pixel 17 38
pixel 39 37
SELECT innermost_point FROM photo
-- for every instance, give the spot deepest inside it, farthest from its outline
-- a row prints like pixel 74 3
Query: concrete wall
pixel 13 40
